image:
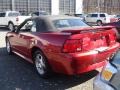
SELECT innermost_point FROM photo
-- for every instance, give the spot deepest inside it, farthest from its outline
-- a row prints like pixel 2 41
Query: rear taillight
pixel 17 19
pixel 112 38
pixel 72 45
pixel 86 43
pixel 89 42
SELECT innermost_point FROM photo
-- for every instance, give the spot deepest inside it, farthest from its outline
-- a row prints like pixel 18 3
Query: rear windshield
pixel 69 23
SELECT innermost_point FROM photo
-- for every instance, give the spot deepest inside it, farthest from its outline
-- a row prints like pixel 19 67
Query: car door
pixel 88 18
pixel 92 18
pixel 23 38
pixel 103 18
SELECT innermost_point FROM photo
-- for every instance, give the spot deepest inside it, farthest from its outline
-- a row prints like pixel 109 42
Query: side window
pixel 2 14
pixel 89 15
pixel 10 15
pixel 94 15
pixel 26 26
pixel 61 23
pixel 33 29
pixel 102 15
pixel 13 14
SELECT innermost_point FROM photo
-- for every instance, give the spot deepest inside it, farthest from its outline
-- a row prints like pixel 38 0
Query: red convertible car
pixel 62 44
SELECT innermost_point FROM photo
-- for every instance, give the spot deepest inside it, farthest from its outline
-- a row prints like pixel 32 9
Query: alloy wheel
pixel 11 27
pixel 8 47
pixel 40 64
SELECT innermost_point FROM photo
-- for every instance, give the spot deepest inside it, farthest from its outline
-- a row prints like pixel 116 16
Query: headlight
pixel 108 72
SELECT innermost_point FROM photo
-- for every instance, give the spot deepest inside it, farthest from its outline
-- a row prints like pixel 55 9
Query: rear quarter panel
pixel 52 42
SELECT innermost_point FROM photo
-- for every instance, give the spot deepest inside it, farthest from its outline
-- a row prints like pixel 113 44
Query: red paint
pixel 69 52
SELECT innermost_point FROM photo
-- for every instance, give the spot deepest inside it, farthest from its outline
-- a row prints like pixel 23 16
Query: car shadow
pixel 18 74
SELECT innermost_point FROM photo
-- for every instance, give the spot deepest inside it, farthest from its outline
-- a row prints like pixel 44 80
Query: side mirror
pixel 28 26
pixel 14 29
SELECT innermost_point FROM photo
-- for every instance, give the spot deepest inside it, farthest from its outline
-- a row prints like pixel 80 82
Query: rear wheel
pixel 8 47
pixel 11 26
pixel 99 23
pixel 41 64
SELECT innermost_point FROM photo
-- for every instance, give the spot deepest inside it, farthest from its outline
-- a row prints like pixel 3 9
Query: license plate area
pixel 98 41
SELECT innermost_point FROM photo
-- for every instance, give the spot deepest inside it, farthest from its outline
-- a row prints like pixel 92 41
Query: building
pixel 53 7
pixel 56 7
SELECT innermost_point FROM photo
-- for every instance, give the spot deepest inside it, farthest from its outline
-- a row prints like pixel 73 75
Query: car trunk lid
pixel 90 46
pixel 81 40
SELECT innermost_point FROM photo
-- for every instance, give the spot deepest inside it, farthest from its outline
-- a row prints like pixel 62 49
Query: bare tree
pixel 108 6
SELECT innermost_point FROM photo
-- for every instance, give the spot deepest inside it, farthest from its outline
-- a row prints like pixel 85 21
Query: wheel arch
pixel 99 20
pixel 35 48
pixel 48 71
pixel 10 22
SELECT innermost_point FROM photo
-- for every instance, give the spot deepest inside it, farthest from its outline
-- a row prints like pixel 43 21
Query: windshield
pixel 68 23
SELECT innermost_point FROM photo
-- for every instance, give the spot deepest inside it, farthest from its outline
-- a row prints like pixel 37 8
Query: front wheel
pixel 8 47
pixel 11 26
pixel 41 64
pixel 99 23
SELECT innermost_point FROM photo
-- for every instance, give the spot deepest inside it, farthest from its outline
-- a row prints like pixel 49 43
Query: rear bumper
pixel 90 67
pixel 76 63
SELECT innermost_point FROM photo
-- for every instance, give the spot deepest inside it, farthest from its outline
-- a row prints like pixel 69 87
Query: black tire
pixel 99 23
pixel 41 65
pixel 11 26
pixel 8 47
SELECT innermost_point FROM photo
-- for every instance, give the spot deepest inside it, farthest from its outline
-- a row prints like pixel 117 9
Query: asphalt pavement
pixel 18 74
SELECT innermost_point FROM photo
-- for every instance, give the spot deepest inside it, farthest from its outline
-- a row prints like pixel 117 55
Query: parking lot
pixel 17 74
